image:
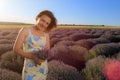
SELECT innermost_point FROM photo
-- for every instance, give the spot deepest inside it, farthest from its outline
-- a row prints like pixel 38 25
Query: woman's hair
pixel 48 13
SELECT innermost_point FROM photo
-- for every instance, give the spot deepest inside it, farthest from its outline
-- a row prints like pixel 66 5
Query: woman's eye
pixel 43 20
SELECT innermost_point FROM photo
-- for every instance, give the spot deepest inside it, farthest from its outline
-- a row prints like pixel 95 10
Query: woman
pixel 33 39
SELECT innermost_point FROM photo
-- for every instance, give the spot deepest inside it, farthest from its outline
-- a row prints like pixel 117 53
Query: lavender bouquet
pixel 42 54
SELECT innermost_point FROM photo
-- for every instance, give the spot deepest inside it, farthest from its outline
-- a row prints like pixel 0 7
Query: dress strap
pixel 29 31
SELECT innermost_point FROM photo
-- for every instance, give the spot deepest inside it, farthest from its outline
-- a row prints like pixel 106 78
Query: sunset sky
pixel 88 12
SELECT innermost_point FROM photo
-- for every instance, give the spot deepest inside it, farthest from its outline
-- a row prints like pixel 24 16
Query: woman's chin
pixel 41 29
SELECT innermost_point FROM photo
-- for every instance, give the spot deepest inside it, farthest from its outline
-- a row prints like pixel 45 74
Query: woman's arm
pixel 18 45
pixel 47 46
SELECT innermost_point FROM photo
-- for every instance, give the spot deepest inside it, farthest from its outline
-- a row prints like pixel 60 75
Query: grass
pixel 13 26
pixel 17 26
pixel 103 27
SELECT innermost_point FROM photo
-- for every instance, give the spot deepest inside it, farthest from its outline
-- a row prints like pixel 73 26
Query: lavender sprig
pixel 42 54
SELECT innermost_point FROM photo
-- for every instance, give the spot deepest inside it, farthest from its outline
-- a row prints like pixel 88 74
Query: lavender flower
pixel 42 54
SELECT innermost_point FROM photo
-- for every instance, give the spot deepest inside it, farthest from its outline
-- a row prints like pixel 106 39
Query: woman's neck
pixel 38 30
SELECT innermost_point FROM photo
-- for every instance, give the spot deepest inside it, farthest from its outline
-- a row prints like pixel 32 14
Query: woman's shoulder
pixel 24 31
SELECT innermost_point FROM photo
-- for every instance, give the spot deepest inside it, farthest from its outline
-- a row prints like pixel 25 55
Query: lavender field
pixel 76 54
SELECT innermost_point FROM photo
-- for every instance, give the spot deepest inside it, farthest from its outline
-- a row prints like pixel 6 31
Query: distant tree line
pixel 77 25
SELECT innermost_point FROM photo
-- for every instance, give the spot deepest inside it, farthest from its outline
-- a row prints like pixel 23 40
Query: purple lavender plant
pixel 42 54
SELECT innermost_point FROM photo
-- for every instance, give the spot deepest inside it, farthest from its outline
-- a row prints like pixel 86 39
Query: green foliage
pixel 117 56
pixel 93 70
pixel 103 49
pixel 112 38
pixel 78 52
pixel 91 54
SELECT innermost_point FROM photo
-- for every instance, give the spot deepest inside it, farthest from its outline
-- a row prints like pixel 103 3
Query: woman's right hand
pixel 37 60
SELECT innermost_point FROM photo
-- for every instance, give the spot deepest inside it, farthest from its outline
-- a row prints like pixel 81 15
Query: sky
pixel 84 12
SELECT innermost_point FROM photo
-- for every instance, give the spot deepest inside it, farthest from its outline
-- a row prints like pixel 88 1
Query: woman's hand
pixel 37 60
pixel 40 61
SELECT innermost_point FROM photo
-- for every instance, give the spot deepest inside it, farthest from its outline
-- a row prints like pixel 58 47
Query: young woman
pixel 33 39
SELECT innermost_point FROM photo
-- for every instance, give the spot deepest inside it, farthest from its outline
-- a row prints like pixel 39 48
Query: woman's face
pixel 43 22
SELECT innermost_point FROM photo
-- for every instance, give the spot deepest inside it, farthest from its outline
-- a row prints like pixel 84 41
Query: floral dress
pixel 31 71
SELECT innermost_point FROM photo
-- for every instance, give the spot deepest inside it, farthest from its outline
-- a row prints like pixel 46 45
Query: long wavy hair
pixel 53 23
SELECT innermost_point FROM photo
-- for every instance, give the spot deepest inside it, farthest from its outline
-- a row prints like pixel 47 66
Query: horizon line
pixel 61 24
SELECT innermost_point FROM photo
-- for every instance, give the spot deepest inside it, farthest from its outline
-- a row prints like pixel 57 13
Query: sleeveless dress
pixel 31 71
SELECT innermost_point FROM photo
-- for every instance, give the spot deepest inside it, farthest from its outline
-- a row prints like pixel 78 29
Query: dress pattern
pixel 31 71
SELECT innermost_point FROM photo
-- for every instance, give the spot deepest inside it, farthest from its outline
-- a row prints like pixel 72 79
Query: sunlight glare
pixel 2 5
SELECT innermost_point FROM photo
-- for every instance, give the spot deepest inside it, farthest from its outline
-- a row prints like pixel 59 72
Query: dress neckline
pixel 36 35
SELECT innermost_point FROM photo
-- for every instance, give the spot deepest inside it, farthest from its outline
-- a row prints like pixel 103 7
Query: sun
pixel 2 5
